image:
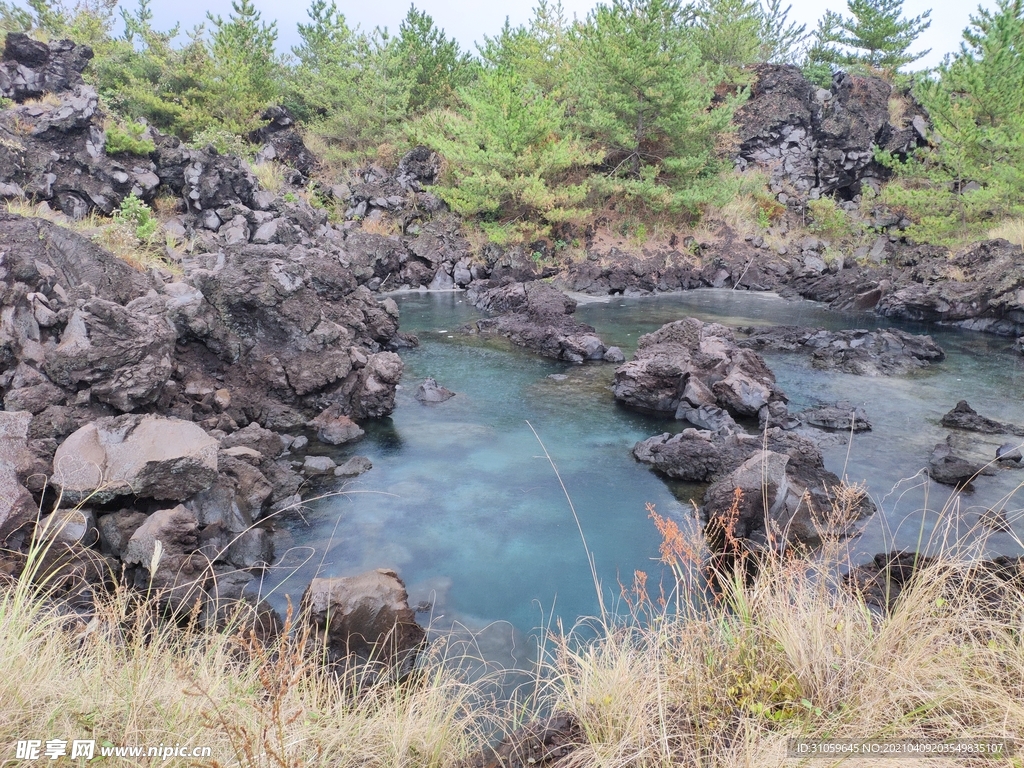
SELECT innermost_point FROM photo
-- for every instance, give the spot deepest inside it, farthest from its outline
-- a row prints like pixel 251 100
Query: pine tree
pixel 876 35
pixel 645 96
pixel 974 173
pixel 245 70
pixel 541 52
pixel 434 63
pixel 508 151
pixel 326 76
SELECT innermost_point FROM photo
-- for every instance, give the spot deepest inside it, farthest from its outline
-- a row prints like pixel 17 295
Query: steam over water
pixel 463 504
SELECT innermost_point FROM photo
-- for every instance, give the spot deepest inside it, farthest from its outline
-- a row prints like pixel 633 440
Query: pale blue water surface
pixel 463 504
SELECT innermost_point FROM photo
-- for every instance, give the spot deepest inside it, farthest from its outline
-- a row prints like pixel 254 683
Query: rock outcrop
pixel 884 352
pixel 786 495
pixel 949 468
pixel 536 316
pixel 132 455
pixel 814 141
pixel 430 392
pixel 695 371
pixel 962 416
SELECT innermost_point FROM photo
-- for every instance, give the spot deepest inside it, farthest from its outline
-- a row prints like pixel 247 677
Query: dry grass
pixel 116 236
pixel 795 654
pixel 1010 229
pixel 899 106
pixel 125 679
pixel 385 226
pixel 270 175
pixel 46 100
pixel 691 676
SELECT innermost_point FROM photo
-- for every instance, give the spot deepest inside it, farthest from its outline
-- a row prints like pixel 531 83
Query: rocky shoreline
pixel 159 419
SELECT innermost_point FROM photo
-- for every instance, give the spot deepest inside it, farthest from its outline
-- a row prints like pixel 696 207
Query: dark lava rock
pixel 986 294
pixel 281 141
pixel 536 316
pixel 1009 453
pixel 947 468
pixel 29 69
pixel 964 417
pixel 537 744
pixel 998 582
pixel 699 456
pixel 687 368
pixel 885 352
pixel 356 465
pixel 771 502
pixel 804 498
pixel 811 139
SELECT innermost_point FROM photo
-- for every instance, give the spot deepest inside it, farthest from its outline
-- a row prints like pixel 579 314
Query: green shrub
pixel 137 215
pixel 222 140
pixel 129 140
pixel 829 219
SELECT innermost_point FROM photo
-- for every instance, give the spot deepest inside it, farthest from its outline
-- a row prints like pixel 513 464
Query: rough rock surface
pixel 962 416
pixel 281 142
pixel 148 456
pixel 700 456
pixel 885 352
pixel 947 467
pixel 53 149
pixel 695 371
pixel 978 289
pixel 537 744
pixel 814 141
pixel 766 503
pixel 17 507
pixel 366 616
pixel 803 497
pixel 536 316
pixel 999 581
pixel 840 417
pixel 431 392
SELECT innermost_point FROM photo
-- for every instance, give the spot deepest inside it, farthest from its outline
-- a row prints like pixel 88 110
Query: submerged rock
pixel 840 417
pixel 886 352
pixel 948 468
pixel 962 416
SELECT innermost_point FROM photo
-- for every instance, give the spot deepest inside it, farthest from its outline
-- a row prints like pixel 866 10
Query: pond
pixel 463 502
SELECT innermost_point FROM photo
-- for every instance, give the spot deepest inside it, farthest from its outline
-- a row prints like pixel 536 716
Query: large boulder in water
pixel 148 456
pixel 365 616
pixel 536 316
pixel 802 496
pixel 765 502
pixel 688 365
pixel 962 416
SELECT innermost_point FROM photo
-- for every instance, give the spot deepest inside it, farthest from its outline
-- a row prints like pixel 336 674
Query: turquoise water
pixel 464 505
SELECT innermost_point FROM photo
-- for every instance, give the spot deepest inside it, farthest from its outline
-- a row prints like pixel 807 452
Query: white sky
pixel 469 21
